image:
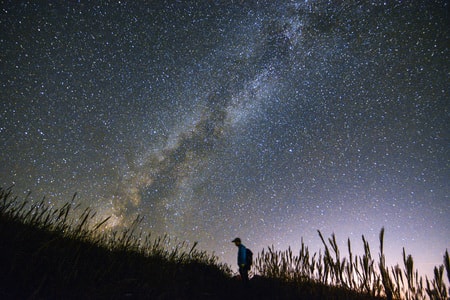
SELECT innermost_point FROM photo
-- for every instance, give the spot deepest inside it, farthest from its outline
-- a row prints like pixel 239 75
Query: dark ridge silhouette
pixel 44 254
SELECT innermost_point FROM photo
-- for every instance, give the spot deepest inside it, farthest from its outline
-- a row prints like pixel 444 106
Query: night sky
pixel 256 119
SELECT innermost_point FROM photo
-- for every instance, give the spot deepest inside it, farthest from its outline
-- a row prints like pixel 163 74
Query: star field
pixel 214 119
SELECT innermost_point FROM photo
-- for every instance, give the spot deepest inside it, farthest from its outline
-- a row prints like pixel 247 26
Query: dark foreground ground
pixel 37 264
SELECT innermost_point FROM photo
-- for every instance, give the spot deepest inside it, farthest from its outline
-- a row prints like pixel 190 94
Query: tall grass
pixel 45 252
pixel 84 228
pixel 50 252
pixel 358 273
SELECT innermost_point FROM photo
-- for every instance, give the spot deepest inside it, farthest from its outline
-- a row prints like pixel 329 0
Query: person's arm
pixel 242 256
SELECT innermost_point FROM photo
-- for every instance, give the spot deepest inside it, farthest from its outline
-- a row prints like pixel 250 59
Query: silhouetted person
pixel 242 260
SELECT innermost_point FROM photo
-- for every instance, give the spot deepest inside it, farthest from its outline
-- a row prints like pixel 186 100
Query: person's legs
pixel 244 275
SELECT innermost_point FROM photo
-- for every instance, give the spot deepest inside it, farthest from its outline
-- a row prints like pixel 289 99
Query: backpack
pixel 249 257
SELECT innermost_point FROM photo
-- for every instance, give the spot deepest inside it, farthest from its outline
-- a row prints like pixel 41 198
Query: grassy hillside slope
pixel 44 254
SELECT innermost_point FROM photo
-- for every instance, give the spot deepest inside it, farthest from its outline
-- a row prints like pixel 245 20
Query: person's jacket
pixel 242 255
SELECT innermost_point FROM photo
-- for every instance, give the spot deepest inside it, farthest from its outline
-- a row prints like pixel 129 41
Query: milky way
pixel 216 119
